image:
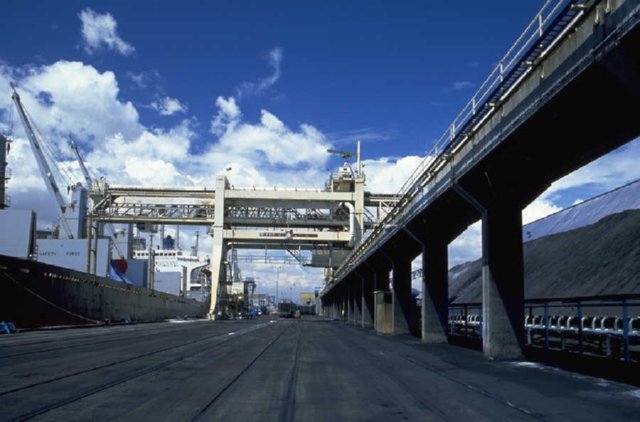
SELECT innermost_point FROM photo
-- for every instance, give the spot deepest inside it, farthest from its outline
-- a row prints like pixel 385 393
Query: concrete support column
pixel 367 302
pixel 345 305
pixel 502 283
pixel 218 253
pixel 357 301
pixel 402 309
pixel 435 291
pixel 382 279
pixel 351 303
pixel 382 320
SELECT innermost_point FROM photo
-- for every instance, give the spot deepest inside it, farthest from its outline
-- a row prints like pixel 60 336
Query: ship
pixel 46 282
pixel 36 295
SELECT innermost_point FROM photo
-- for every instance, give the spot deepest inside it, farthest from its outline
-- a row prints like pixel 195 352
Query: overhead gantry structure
pixel 327 223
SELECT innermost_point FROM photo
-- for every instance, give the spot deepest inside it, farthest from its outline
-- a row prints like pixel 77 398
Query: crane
pixel 45 170
pixel 343 154
pixel 89 181
pixel 349 154
pixel 83 168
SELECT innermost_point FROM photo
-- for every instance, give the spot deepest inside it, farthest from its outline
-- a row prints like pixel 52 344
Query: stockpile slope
pixel 598 259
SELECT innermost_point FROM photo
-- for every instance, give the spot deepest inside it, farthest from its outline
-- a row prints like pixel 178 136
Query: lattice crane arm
pixel 83 168
pixel 45 170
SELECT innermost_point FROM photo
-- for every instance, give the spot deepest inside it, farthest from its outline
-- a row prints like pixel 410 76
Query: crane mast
pixel 45 170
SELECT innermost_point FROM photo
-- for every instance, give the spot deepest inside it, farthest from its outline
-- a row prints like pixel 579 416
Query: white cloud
pixel 467 246
pixel 138 79
pixel 366 135
pixel 151 172
pixel 538 209
pixel 82 103
pixel 268 151
pixel 256 88
pixel 72 100
pixel 66 100
pixel 143 79
pixel 100 30
pixel 606 173
pixel 387 174
pixel 460 85
pixel 168 106
pixel 228 116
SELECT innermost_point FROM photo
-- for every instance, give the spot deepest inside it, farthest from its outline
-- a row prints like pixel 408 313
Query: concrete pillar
pixel 357 300
pixel 502 283
pixel 345 305
pixel 351 300
pixel 381 284
pixel 367 302
pixel 435 290
pixel 218 253
pixel 402 309
pixel 382 279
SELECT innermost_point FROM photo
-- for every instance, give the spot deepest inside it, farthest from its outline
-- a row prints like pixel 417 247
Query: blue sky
pixel 177 91
pixel 385 70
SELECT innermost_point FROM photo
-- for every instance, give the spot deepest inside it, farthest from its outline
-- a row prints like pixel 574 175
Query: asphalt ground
pixel 283 370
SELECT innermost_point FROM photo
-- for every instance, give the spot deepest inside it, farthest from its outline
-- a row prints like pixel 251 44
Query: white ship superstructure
pixel 176 271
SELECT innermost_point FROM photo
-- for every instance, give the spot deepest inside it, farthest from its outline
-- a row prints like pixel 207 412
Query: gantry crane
pixel 89 181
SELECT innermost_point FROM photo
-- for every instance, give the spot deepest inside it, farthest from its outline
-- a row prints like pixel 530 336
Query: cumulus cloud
pixel 100 30
pixel 467 246
pixel 168 106
pixel 268 150
pixel 606 173
pixel 274 59
pixel 388 174
pixel 538 209
pixel 73 100
pixel 227 117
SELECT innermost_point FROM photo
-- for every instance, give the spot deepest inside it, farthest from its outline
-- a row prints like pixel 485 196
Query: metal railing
pixel 276 189
pixel 542 34
pixel 606 326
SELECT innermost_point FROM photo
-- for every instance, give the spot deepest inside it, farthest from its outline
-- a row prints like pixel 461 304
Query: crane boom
pixel 45 170
pixel 85 172
pixel 343 154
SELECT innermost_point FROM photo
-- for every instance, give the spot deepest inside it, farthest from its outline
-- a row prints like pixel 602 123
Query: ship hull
pixel 34 294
